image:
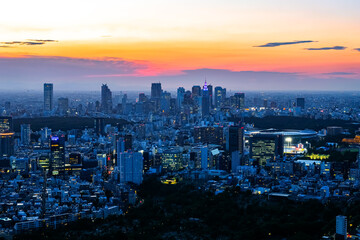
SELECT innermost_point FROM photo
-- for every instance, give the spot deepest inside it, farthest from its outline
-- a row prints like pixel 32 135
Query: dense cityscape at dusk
pixel 180 120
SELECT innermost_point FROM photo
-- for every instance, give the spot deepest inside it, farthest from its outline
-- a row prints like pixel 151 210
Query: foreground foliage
pixel 184 212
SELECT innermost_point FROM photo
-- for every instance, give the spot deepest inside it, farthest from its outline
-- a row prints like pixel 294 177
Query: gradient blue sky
pixel 242 45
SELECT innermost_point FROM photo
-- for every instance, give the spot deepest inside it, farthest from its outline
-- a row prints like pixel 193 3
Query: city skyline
pixel 257 45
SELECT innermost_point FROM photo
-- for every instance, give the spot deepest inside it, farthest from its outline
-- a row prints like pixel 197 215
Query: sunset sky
pixel 238 44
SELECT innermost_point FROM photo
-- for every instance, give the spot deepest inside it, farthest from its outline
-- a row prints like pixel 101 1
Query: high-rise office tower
pixel 341 227
pixel 106 99
pixel 211 95
pixel 196 91
pixel 265 147
pixel 238 101
pixel 180 96
pixel 6 137
pixel 25 134
pixel 208 135
pixel 156 90
pixel 124 103
pixel 300 102
pixel 218 97
pixel 235 139
pixel 48 97
pixel 57 157
pixel 223 94
pixel 165 102
pixel 6 145
pixel 131 167
pixel 205 103
pixel 156 93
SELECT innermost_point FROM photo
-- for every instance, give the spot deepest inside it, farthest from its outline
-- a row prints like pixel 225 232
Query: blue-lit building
pixel 57 154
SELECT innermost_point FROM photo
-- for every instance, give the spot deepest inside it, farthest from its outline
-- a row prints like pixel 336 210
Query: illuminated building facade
pixel 238 101
pixel 6 124
pixel 264 147
pixel 44 162
pixel 57 156
pixel 172 160
pixel 74 164
pixel 209 135
pixel 6 137
pixel 6 145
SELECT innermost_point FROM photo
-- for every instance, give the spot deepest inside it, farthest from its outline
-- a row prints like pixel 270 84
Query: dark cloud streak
pixel 326 48
pixel 339 73
pixel 277 44
pixel 30 42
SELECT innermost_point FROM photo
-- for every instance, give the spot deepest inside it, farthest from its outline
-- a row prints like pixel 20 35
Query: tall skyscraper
pixel 156 90
pixel 6 145
pixel 124 103
pixel 131 167
pixel 205 103
pixel 238 101
pixel 6 137
pixel 211 95
pixel 165 102
pixel 180 96
pixel 196 91
pixel 57 157
pixel 106 99
pixel 235 139
pixel 300 102
pixel 219 96
pixel 25 134
pixel 48 97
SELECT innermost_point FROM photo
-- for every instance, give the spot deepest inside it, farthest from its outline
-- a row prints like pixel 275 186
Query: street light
pixel 288 140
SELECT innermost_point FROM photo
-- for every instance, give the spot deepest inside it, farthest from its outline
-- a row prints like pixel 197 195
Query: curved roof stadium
pixel 287 133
